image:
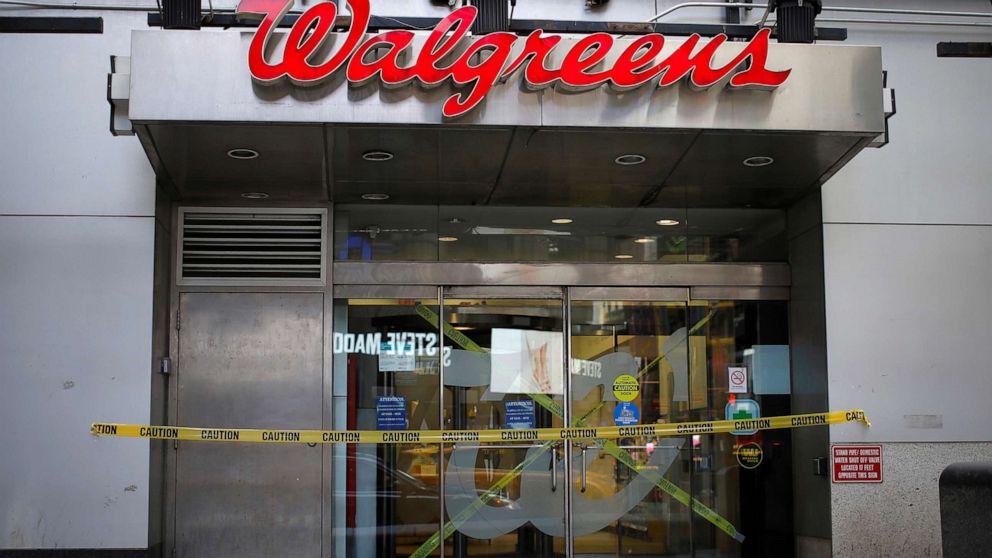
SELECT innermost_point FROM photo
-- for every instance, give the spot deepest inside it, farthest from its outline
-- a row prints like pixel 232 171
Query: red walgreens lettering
pixel 489 59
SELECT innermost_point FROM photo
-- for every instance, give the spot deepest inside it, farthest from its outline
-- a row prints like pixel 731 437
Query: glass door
pixel 506 371
pixel 631 352
pixel 646 356
pixel 464 359
pixel 386 363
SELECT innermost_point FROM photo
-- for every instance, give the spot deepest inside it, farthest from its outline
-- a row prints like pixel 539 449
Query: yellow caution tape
pixel 660 430
pixel 608 446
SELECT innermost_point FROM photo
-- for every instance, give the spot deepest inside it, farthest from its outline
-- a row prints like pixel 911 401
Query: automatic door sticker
pixel 737 379
pixel 390 412
pixel 625 387
pixel 749 455
pixel 744 413
pixel 626 414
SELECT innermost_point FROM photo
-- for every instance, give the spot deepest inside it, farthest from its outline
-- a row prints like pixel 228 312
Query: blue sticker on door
pixel 390 412
pixel 520 414
pixel 626 414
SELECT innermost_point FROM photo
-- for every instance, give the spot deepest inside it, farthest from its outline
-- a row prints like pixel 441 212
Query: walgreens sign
pixel 479 64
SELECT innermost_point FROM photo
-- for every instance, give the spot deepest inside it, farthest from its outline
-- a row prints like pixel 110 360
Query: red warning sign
pixel 857 463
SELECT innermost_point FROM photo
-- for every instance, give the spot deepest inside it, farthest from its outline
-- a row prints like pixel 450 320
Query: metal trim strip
pixel 631 294
pixel 739 293
pixel 582 275
pixel 385 291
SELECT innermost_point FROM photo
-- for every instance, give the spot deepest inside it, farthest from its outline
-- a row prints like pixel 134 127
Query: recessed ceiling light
pixel 254 195
pixel 758 161
pixel 666 222
pixel 623 256
pixel 447 238
pixel 375 197
pixel 242 153
pixel 630 159
pixel 644 240
pixel 377 156
pixel 561 221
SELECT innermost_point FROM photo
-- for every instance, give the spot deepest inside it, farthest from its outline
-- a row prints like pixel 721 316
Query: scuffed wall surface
pixel 900 516
pixel 76 250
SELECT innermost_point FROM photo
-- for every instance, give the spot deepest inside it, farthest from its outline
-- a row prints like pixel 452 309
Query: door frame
pixel 574 281
pixel 563 274
pixel 588 282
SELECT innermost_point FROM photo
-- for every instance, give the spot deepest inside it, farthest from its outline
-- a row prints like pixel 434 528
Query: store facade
pixel 577 210
pixel 359 228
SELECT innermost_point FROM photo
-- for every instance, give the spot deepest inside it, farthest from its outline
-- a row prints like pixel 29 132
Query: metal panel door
pixel 249 360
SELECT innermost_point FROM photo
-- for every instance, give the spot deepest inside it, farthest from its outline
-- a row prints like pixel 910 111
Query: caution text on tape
pixel 660 430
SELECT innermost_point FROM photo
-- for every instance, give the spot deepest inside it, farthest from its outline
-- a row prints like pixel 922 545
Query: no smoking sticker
pixel 737 379
pixel 625 387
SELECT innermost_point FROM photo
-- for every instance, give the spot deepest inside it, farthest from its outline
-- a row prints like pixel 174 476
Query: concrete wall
pixel 76 242
pixel 907 246
pixel 896 518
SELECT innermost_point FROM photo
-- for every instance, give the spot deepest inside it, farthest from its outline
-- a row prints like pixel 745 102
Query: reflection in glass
pixel 386 366
pixel 503 368
pixel 553 234
pixel 624 511
pixel 757 501
pixel 493 233
pixel 505 373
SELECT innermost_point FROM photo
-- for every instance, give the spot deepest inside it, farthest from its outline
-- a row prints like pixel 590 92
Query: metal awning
pixel 191 100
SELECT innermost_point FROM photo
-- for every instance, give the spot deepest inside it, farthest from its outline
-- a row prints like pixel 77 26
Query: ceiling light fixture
pixel 454 220
pixel 254 195
pixel 666 222
pixel 242 154
pixel 758 161
pixel 375 197
pixel 644 240
pixel 447 238
pixel 630 159
pixel 377 156
pixel 623 256
pixel 561 221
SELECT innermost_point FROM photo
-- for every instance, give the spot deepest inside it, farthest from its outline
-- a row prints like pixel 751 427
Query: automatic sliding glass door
pixel 386 366
pixel 466 359
pixel 506 371
pixel 631 354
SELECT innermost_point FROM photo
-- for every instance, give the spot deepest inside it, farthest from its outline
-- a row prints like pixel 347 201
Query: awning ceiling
pixel 191 100
pixel 501 166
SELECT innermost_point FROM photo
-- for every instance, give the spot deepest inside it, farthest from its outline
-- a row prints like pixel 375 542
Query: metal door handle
pixel 582 468
pixel 554 468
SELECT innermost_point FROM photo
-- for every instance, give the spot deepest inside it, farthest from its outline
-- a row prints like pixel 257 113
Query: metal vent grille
pixel 494 15
pixel 221 246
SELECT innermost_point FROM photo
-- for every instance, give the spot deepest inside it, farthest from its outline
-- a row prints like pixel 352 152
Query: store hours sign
pixel 476 64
